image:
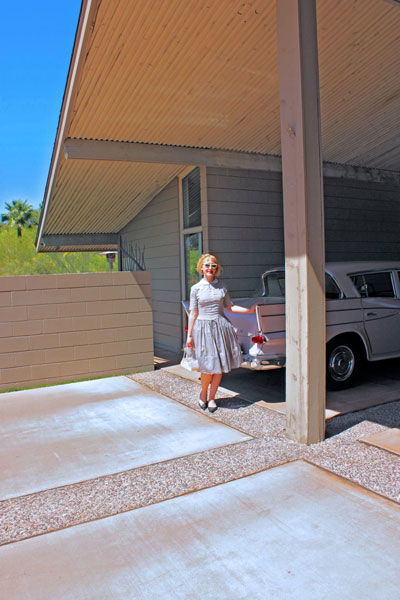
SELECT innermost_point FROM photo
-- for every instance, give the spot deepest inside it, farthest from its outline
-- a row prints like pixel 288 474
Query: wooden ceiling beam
pixel 160 153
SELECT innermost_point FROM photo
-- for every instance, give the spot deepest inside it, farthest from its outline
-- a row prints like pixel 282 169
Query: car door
pixel 381 311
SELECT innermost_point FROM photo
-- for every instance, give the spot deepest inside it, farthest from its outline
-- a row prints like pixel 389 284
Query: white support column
pixel 303 219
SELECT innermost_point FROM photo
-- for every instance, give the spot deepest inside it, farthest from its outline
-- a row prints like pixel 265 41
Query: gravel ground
pixel 341 453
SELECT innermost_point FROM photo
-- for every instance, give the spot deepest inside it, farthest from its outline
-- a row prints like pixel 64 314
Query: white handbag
pixel 189 361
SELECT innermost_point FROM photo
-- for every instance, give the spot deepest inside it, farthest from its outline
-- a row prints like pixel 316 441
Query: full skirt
pixel 216 345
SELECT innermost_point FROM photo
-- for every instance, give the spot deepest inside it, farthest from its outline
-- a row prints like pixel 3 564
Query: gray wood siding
pixel 245 217
pixel 245 223
pixel 156 228
pixel 245 230
pixel 362 220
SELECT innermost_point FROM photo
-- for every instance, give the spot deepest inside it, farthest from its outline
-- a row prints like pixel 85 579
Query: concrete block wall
pixel 58 328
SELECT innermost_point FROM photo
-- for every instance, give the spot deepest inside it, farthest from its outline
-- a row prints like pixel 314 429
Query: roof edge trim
pixel 53 242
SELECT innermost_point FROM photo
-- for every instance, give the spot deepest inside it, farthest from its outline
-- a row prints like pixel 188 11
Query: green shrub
pixel 18 257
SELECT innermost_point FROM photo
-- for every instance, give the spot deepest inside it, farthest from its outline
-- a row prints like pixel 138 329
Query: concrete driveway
pixel 289 532
pixel 150 497
pixel 61 435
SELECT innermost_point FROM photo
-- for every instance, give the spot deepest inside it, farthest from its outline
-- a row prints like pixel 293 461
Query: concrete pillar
pixel 303 219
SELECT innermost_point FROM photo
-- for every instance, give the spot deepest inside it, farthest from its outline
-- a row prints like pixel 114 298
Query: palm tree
pixel 36 212
pixel 19 215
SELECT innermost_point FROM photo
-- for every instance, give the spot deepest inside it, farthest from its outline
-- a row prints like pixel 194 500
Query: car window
pixel 332 291
pixel 274 286
pixel 374 285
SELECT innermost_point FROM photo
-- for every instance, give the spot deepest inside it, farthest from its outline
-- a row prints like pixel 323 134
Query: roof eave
pixel 87 18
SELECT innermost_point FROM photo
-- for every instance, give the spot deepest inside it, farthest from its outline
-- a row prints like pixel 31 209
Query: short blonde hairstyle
pixel 211 258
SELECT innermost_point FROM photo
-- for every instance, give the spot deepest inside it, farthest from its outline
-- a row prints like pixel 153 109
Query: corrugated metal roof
pixel 190 73
pixel 101 196
pixel 204 74
pixel 359 50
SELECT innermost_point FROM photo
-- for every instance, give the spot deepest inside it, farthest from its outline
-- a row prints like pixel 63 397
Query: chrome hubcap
pixel 341 363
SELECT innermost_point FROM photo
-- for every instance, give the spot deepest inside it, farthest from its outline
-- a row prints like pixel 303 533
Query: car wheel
pixel 343 362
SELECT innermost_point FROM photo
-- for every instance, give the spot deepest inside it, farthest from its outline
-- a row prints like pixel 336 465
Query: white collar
pixel 204 281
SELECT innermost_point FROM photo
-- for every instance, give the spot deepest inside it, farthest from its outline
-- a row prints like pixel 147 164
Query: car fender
pixel 356 329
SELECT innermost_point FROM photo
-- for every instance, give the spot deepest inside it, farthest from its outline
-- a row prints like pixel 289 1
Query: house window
pixel 191 199
pixel 193 251
pixel 192 228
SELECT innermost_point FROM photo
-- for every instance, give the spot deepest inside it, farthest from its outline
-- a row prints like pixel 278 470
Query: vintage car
pixel 362 319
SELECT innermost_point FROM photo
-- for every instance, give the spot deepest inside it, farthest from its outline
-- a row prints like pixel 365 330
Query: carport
pixel 155 88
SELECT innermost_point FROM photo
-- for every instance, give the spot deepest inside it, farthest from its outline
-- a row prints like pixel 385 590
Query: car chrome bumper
pixel 262 363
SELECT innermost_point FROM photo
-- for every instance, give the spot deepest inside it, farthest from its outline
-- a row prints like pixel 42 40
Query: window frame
pixel 184 231
pixel 202 229
pixel 396 277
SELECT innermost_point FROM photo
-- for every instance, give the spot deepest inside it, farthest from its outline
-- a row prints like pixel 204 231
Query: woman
pixel 209 332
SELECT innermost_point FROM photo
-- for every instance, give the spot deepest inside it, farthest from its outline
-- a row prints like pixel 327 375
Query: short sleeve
pixel 194 302
pixel 227 299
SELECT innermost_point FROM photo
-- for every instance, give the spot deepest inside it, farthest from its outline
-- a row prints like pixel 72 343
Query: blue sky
pixel 36 40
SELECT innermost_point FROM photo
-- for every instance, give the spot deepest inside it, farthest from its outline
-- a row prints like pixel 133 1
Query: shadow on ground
pixel 385 414
pixel 379 384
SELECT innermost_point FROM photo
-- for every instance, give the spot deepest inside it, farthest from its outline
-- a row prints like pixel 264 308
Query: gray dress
pixel 215 341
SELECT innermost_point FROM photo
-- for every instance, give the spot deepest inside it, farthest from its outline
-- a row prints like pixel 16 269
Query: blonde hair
pixel 203 259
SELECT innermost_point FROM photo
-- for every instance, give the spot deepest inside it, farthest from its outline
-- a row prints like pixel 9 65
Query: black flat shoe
pixel 203 405
pixel 213 406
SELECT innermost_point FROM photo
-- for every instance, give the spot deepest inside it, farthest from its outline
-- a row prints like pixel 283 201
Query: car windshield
pixel 273 286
